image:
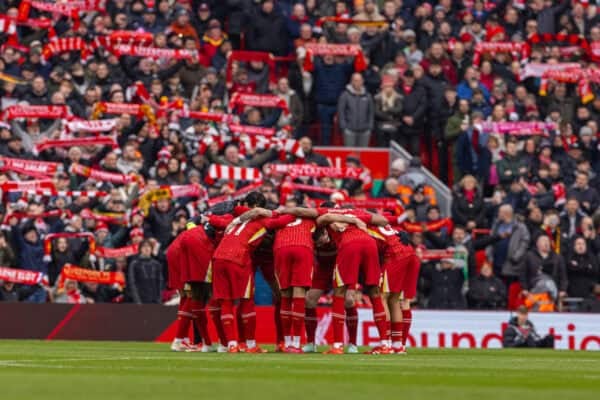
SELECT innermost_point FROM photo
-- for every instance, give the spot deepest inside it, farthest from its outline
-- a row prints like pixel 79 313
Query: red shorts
pixel 294 266
pixel 232 281
pixel 174 263
pixel 400 275
pixel 357 263
pixel 197 258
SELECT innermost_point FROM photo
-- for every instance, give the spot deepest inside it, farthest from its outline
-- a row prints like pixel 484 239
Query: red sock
pixel 227 320
pixel 298 310
pixel 248 318
pixel 352 323
pixel 286 316
pixel 380 317
pixel 338 316
pixel 240 323
pixel 184 318
pixel 199 313
pixel 310 322
pixel 278 325
pixel 406 322
pixel 215 314
pixel 397 332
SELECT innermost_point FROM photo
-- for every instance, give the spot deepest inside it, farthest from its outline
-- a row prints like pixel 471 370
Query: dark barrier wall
pixel 85 322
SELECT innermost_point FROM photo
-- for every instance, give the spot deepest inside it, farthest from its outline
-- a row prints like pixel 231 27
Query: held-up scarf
pixel 574 42
pixel 433 255
pixel 87 141
pixel 169 192
pixel 68 235
pixel 36 169
pixel 28 186
pixel 434 226
pixel 218 171
pixel 122 108
pixel 300 170
pixel 262 143
pixel 251 130
pixel 46 214
pixel 65 45
pixel 107 218
pixel 350 21
pixel 102 125
pixel 79 274
pixel 380 204
pixel 518 128
pixel 206 116
pixel 23 276
pixel 537 70
pixel 100 175
pixel 236 195
pixel 7 25
pixel 107 252
pixel 518 50
pixel 152 52
pixel 348 50
pixel 249 56
pixel 44 112
pixel 63 193
pixel 582 77
pixel 258 100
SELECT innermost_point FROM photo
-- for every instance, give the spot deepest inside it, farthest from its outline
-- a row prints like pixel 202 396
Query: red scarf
pixel 348 50
pixel 249 56
pixel 152 52
pixel 100 175
pixel 36 169
pixel 235 196
pixel 27 186
pixel 431 226
pixel 350 21
pixel 44 112
pixel 23 276
pixel 218 171
pixel 103 125
pixel 79 274
pixel 258 100
pixel 470 195
pixel 126 251
pixel 88 141
pixel 521 50
pixel 306 170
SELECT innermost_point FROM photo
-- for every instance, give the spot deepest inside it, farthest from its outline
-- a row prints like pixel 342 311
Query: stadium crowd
pixel 122 120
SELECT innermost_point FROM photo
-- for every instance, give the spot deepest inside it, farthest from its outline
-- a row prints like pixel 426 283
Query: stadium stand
pixel 122 120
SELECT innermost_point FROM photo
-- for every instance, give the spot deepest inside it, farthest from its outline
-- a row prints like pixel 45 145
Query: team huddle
pixel 302 253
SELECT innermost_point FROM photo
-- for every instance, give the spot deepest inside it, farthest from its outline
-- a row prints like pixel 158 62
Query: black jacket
pixel 414 105
pixel 583 272
pixel 535 265
pixel 486 293
pixel 516 336
pixel 446 287
pixel 463 211
pixel 145 280
pixel 435 87
pixel 267 32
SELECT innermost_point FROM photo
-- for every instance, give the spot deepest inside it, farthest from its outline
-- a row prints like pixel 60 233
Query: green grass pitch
pixel 118 370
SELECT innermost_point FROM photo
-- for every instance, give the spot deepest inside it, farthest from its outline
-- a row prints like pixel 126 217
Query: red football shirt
pixel 351 233
pixel 238 244
pixel 388 241
pixel 294 232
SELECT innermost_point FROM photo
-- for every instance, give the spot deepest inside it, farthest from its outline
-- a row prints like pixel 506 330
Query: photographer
pixel 520 332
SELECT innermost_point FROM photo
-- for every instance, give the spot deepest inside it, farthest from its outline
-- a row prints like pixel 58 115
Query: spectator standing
pixel 583 271
pixel 447 280
pixel 414 107
pixel 388 112
pixel 356 113
pixel 508 253
pixel 144 276
pixel 542 265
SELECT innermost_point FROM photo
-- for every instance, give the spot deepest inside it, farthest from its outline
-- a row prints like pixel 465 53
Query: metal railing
pixel 442 192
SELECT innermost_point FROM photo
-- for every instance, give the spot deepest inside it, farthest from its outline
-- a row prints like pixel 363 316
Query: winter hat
pixel 136 232
pixel 101 226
